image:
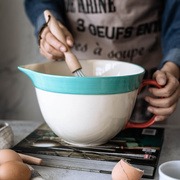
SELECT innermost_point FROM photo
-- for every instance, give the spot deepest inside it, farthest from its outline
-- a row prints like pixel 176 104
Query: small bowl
pixel 169 170
pixel 6 136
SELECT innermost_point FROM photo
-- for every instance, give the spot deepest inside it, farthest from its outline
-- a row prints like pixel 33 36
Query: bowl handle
pixel 151 121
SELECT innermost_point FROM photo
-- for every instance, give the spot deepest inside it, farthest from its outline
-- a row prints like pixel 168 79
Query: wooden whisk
pixel 71 60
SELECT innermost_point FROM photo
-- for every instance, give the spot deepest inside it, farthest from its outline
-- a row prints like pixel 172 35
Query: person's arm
pixel 168 74
pixel 171 32
pixel 50 46
pixel 35 8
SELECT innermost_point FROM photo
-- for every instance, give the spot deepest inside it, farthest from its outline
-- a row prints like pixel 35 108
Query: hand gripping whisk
pixel 70 58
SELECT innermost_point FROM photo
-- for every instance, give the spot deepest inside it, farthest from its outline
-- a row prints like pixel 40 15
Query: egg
pixel 14 170
pixel 9 155
pixel 124 170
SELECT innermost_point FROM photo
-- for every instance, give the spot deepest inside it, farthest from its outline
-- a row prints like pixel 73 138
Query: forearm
pixel 170 34
pixel 35 9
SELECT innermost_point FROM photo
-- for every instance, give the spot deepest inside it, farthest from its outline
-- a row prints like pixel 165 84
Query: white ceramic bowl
pixel 87 110
pixel 169 170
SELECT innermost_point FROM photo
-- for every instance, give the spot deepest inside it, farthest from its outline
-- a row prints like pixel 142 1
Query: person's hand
pixel 167 77
pixel 51 47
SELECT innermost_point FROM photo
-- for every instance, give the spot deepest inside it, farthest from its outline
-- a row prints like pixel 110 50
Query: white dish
pixel 169 170
pixel 87 111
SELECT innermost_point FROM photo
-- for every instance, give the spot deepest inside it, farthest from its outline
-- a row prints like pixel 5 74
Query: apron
pixel 124 30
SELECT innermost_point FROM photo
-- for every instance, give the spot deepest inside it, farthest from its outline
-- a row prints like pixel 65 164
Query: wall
pixel 18 46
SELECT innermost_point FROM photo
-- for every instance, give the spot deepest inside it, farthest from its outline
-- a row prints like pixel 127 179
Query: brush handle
pixel 70 58
pixel 30 159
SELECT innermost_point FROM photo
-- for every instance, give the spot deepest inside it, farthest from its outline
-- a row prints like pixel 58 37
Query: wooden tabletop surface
pixel 170 150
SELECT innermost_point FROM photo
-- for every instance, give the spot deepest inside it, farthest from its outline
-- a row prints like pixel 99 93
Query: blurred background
pixel 19 47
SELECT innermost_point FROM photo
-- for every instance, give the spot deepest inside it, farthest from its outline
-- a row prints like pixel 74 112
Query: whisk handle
pixel 72 62
pixel 70 58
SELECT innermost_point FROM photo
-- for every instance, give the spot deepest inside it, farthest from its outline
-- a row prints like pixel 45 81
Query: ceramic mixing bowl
pixel 87 111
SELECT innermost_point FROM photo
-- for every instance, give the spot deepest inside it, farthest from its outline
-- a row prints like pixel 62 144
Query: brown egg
pixel 9 155
pixel 14 170
pixel 123 170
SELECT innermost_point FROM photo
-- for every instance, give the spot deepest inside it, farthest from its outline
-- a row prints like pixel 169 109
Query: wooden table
pixel 170 151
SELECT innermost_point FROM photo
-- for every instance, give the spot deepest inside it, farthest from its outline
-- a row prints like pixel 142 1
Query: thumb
pixel 160 77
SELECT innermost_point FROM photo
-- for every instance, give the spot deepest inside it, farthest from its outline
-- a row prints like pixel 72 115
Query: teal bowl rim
pixel 85 85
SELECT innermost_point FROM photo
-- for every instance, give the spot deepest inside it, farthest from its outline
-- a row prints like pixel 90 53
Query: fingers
pixel 53 42
pixel 67 34
pixel 50 51
pixel 163 102
pixel 49 56
pixel 162 111
pixel 164 107
pixel 51 47
pixel 170 86
pixel 160 118
pixel 160 77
